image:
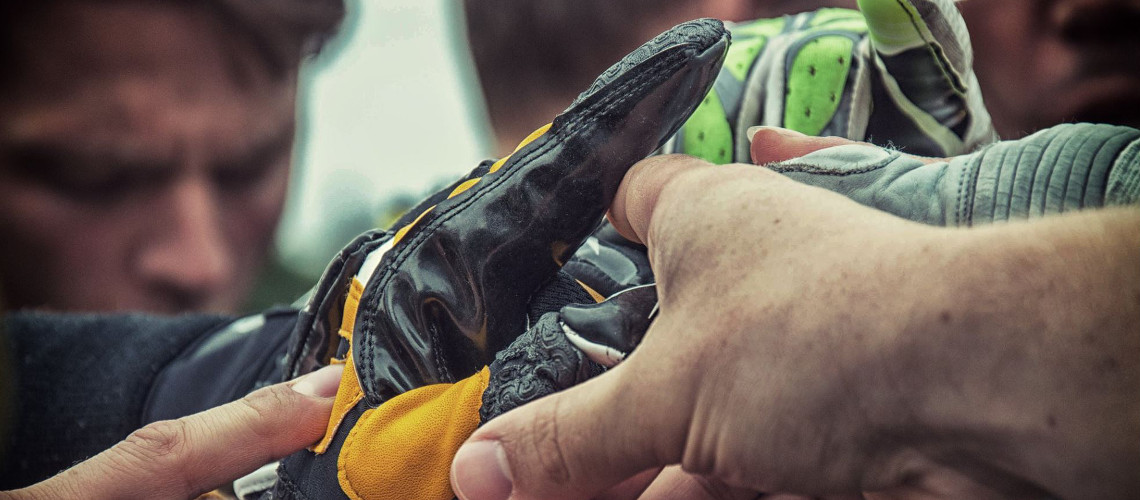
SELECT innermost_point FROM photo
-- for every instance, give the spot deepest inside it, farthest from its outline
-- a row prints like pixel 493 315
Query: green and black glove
pixel 896 73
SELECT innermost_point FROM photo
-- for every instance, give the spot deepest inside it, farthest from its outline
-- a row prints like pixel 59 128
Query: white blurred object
pixel 396 109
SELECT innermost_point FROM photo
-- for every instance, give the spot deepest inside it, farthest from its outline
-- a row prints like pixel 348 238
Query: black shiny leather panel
pixel 456 288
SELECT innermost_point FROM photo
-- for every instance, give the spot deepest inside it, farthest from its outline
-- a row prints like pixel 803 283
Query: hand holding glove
pixel 807 344
pixel 417 315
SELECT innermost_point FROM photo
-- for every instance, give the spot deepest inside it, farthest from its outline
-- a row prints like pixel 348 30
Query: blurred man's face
pixel 143 161
pixel 1043 62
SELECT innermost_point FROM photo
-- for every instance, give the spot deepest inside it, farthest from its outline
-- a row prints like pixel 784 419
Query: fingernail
pixel 322 383
pixel 751 132
pixel 480 472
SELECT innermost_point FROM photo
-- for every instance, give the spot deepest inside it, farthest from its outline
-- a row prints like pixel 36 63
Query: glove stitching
pixel 284 482
pixel 1068 138
pixel 583 119
pixel 934 46
pixel 1090 166
pixel 1122 184
pixel 808 168
pixel 996 176
pixel 1013 182
pixel 1033 179
pixel 1116 144
pixel 1068 176
pixel 444 373
pixel 1100 149
pixel 966 195
pixel 308 316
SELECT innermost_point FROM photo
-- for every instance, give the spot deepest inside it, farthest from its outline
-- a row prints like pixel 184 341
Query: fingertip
pixel 773 144
pixel 480 471
pixel 550 448
pixel 637 196
pixel 322 383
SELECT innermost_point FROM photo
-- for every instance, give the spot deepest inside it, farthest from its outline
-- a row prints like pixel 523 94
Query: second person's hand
pixel 808 344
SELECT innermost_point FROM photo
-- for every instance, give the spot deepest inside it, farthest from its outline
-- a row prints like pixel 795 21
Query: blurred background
pixel 150 159
pixel 390 110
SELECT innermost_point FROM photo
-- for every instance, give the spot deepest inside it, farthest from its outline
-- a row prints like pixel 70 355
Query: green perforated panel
pixel 707 133
pixel 816 80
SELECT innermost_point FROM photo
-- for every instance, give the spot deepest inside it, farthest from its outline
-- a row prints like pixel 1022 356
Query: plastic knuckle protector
pixel 453 317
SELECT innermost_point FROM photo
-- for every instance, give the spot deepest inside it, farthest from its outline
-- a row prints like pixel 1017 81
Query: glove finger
pixel 933 25
pixel 712 132
pixel 455 285
pixel 609 331
pixel 607 263
pixel 793 72
pixel 925 75
pixel 1068 167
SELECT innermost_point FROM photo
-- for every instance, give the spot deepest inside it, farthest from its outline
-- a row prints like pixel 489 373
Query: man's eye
pixel 244 177
pixel 79 179
pixel 105 189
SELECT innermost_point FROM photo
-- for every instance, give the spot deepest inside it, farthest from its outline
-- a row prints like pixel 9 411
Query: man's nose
pixel 187 259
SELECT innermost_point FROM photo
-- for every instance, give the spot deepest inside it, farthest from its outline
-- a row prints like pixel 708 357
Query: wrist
pixel 1014 356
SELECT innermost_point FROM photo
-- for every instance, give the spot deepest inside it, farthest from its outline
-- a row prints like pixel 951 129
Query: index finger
pixel 638 193
pixel 185 457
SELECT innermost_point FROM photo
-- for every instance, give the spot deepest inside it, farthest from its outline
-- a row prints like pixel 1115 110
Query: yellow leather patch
pixel 404 230
pixel 499 164
pixel 349 393
pixel 529 139
pixel 347 396
pixel 403 449
pixel 533 135
pixel 467 184
pixel 594 294
pixel 351 303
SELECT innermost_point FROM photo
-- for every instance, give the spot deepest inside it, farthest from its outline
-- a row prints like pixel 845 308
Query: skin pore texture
pixel 919 362
pixel 144 160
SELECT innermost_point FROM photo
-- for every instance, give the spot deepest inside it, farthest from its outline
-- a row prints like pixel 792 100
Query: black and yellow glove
pixel 418 314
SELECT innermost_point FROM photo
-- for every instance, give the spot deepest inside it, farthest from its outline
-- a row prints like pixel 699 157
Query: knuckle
pixel 545 446
pixel 160 444
pixel 267 404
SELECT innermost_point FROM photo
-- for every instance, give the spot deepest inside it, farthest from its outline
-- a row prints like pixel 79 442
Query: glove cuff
pixel 1063 168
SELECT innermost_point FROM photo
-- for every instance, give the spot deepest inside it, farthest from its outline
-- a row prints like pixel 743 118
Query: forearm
pixel 1028 337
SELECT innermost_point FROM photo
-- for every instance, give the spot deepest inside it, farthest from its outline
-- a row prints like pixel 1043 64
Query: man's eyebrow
pixel 263 151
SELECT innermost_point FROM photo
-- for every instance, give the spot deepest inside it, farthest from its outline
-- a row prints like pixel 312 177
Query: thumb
pixel 573 444
pixel 774 144
pixel 185 457
pixel 638 195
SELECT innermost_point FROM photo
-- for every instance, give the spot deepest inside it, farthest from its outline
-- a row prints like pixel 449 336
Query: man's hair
pixel 282 32
pixel 528 51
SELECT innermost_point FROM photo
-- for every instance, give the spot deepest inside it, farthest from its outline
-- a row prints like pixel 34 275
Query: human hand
pixel 781 359
pixel 186 457
pixel 768 247
pixel 472 276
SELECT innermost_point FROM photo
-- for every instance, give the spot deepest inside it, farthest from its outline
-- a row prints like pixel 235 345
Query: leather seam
pixel 807 168
pixel 584 118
